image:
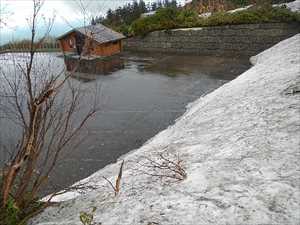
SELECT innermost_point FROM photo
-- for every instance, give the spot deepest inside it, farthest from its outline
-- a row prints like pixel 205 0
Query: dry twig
pixel 117 185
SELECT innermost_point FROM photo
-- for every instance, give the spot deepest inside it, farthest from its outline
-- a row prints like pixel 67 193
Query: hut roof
pixel 98 32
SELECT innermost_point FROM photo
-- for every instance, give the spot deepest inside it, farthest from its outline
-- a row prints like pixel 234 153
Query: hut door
pixel 79 42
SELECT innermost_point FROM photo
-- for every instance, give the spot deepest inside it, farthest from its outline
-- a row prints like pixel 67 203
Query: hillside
pixel 203 6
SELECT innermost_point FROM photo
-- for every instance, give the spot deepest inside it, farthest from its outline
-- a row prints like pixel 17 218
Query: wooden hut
pixel 93 40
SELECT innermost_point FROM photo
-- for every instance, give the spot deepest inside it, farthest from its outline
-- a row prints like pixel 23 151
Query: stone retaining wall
pixel 245 39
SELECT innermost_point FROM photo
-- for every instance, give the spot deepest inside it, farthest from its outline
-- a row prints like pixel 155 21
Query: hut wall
pixel 65 43
pixel 107 49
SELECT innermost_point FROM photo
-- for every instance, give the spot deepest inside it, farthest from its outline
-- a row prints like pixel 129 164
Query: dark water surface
pixel 140 98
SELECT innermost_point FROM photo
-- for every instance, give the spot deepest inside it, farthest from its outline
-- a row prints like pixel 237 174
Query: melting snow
pixel 240 149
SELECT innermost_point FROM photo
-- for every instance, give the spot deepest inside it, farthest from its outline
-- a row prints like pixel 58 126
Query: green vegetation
pixel 169 14
pixel 10 214
pixel 170 18
pixel 87 218
pixel 166 18
pixel 121 18
pixel 13 215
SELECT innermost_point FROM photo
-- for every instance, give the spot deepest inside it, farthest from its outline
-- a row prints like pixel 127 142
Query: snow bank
pixel 239 146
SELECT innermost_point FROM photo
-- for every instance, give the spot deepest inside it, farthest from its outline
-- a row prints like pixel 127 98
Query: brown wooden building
pixel 93 40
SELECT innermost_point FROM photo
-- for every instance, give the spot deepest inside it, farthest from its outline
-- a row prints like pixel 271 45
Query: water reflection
pixel 135 102
pixel 88 70
pixel 175 65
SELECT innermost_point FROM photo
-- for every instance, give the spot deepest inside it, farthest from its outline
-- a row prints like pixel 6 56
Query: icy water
pixel 140 95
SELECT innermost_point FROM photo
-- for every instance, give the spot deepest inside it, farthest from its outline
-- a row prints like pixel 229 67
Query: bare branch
pixel 117 186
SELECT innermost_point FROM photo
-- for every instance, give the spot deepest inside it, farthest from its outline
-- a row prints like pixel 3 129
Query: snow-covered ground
pixel 239 146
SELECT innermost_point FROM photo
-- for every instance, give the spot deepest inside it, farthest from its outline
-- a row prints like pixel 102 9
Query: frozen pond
pixel 140 98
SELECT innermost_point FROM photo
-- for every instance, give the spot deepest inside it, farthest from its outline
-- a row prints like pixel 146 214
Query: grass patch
pixel 11 214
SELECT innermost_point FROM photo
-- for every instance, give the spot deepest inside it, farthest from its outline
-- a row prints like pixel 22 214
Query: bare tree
pixel 45 108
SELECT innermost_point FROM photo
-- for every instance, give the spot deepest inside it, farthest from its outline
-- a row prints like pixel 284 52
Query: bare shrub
pixel 164 165
pixel 204 6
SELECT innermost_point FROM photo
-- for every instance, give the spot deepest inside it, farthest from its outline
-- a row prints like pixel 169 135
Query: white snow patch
pixel 204 15
pixel 293 6
pixel 240 149
pixel 192 28
pixel 240 9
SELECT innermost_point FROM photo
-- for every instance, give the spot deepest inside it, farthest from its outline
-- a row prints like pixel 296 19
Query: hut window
pixel 72 43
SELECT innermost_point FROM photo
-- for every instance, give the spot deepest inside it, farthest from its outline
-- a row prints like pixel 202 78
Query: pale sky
pixel 67 14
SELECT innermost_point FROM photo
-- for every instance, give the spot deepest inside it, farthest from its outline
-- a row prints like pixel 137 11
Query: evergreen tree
pixel 154 6
pixel 142 6
pixel 125 15
pixel 93 22
pixel 159 4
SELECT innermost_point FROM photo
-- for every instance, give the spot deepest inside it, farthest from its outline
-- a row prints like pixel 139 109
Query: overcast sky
pixel 67 13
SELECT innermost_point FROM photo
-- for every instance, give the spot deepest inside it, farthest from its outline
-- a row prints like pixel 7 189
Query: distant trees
pixel 122 17
pixel 171 18
pixel 170 14
pixel 25 44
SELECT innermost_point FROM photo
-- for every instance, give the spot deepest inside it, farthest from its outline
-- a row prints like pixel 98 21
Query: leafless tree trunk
pixel 44 106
